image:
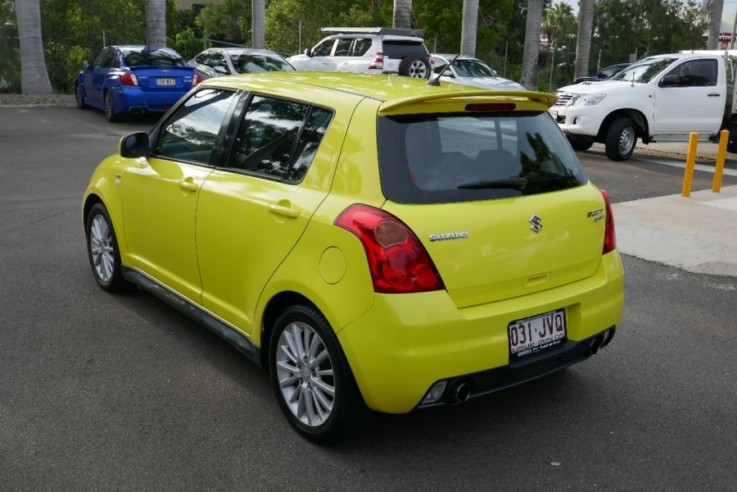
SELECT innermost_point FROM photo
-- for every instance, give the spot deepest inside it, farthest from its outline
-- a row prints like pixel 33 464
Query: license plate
pixel 531 335
pixel 166 82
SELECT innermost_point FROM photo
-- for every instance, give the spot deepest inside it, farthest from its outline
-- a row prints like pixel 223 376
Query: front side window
pixel 696 73
pixel 324 48
pixel 191 133
pixel 278 138
pixel 467 156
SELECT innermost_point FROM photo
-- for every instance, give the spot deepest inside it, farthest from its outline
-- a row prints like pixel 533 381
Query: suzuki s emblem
pixel 536 223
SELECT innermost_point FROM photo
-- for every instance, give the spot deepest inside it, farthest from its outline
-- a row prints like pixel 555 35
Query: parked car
pixel 215 62
pixel 368 50
pixel 468 70
pixel 372 244
pixel 603 74
pixel 133 79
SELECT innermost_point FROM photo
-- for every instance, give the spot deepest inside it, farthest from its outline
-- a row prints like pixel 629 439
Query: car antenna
pixel 435 81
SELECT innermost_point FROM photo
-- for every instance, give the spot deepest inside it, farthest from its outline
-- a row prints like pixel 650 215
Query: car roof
pixel 450 56
pixel 245 51
pixel 394 91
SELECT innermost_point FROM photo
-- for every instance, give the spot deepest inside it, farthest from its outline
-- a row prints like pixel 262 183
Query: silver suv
pixel 368 50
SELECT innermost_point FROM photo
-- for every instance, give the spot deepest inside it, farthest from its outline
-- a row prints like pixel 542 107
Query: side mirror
pixel 448 73
pixel 134 145
pixel 308 52
pixel 221 70
pixel 85 65
pixel 670 81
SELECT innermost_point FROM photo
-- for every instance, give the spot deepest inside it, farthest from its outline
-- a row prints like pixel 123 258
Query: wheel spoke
pixel 305 374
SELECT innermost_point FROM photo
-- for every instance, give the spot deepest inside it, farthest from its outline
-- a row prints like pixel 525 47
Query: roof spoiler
pixel 539 97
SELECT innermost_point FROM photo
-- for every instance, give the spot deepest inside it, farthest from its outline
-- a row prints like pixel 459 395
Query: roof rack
pixel 393 31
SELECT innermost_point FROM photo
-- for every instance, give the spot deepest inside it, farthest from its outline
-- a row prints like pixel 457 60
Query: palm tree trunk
pixel 402 16
pixel 469 26
pixel 156 22
pixel 531 50
pixel 715 26
pixel 583 39
pixel 258 22
pixel 34 75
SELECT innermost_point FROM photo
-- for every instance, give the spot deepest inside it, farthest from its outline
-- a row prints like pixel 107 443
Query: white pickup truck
pixel 659 98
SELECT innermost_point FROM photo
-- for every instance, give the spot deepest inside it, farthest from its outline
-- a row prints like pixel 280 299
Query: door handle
pixel 713 94
pixel 188 184
pixel 285 211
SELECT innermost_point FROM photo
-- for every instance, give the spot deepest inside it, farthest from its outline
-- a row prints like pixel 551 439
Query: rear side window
pixel 400 49
pixel 278 138
pixel 466 157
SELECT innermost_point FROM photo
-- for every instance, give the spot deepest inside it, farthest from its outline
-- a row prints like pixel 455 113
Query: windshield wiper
pixel 516 183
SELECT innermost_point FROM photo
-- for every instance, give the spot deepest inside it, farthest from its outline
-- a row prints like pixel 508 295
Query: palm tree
pixel 583 40
pixel 558 23
pixel 156 22
pixel 532 43
pixel 402 16
pixel 34 75
pixel 258 16
pixel 468 28
pixel 715 16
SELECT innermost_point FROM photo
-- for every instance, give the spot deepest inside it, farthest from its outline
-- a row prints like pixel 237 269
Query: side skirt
pixel 224 331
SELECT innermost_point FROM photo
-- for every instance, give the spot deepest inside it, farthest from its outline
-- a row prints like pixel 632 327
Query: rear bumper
pixel 131 99
pixel 406 343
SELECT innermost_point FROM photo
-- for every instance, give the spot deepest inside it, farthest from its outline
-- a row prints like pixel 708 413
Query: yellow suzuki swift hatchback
pixel 374 241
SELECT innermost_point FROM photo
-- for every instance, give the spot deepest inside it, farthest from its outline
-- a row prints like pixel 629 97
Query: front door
pixel 695 104
pixel 160 194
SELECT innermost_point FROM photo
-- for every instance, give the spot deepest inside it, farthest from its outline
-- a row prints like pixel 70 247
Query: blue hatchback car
pixel 133 79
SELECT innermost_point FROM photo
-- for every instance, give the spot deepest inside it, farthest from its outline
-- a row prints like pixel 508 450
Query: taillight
pixel 196 79
pixel 378 62
pixel 397 260
pixel 610 238
pixel 129 78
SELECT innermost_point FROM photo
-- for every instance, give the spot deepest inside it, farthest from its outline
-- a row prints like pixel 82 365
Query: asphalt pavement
pixel 696 233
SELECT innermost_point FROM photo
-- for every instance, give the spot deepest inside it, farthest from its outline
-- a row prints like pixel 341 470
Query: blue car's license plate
pixel 165 82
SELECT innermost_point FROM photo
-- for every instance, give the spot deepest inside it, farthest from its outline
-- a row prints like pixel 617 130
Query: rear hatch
pixel 496 196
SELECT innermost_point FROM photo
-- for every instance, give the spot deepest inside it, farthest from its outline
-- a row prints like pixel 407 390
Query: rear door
pixel 506 210
pixel 253 209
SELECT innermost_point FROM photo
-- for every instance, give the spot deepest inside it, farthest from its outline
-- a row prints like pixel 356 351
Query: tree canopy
pixel 74 30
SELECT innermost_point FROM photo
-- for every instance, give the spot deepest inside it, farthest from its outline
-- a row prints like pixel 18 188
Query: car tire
pixel 581 144
pixel 313 383
pixel 110 113
pixel 621 139
pixel 102 250
pixel 414 66
pixel 732 140
pixel 79 96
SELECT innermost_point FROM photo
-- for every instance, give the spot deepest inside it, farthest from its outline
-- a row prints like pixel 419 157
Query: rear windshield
pixel 463 157
pixel 153 58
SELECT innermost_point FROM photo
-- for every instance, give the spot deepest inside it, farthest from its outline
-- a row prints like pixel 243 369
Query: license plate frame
pixel 165 82
pixel 531 335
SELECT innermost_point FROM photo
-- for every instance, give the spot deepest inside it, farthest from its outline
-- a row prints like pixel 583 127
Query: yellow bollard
pixel 716 185
pixel 693 141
